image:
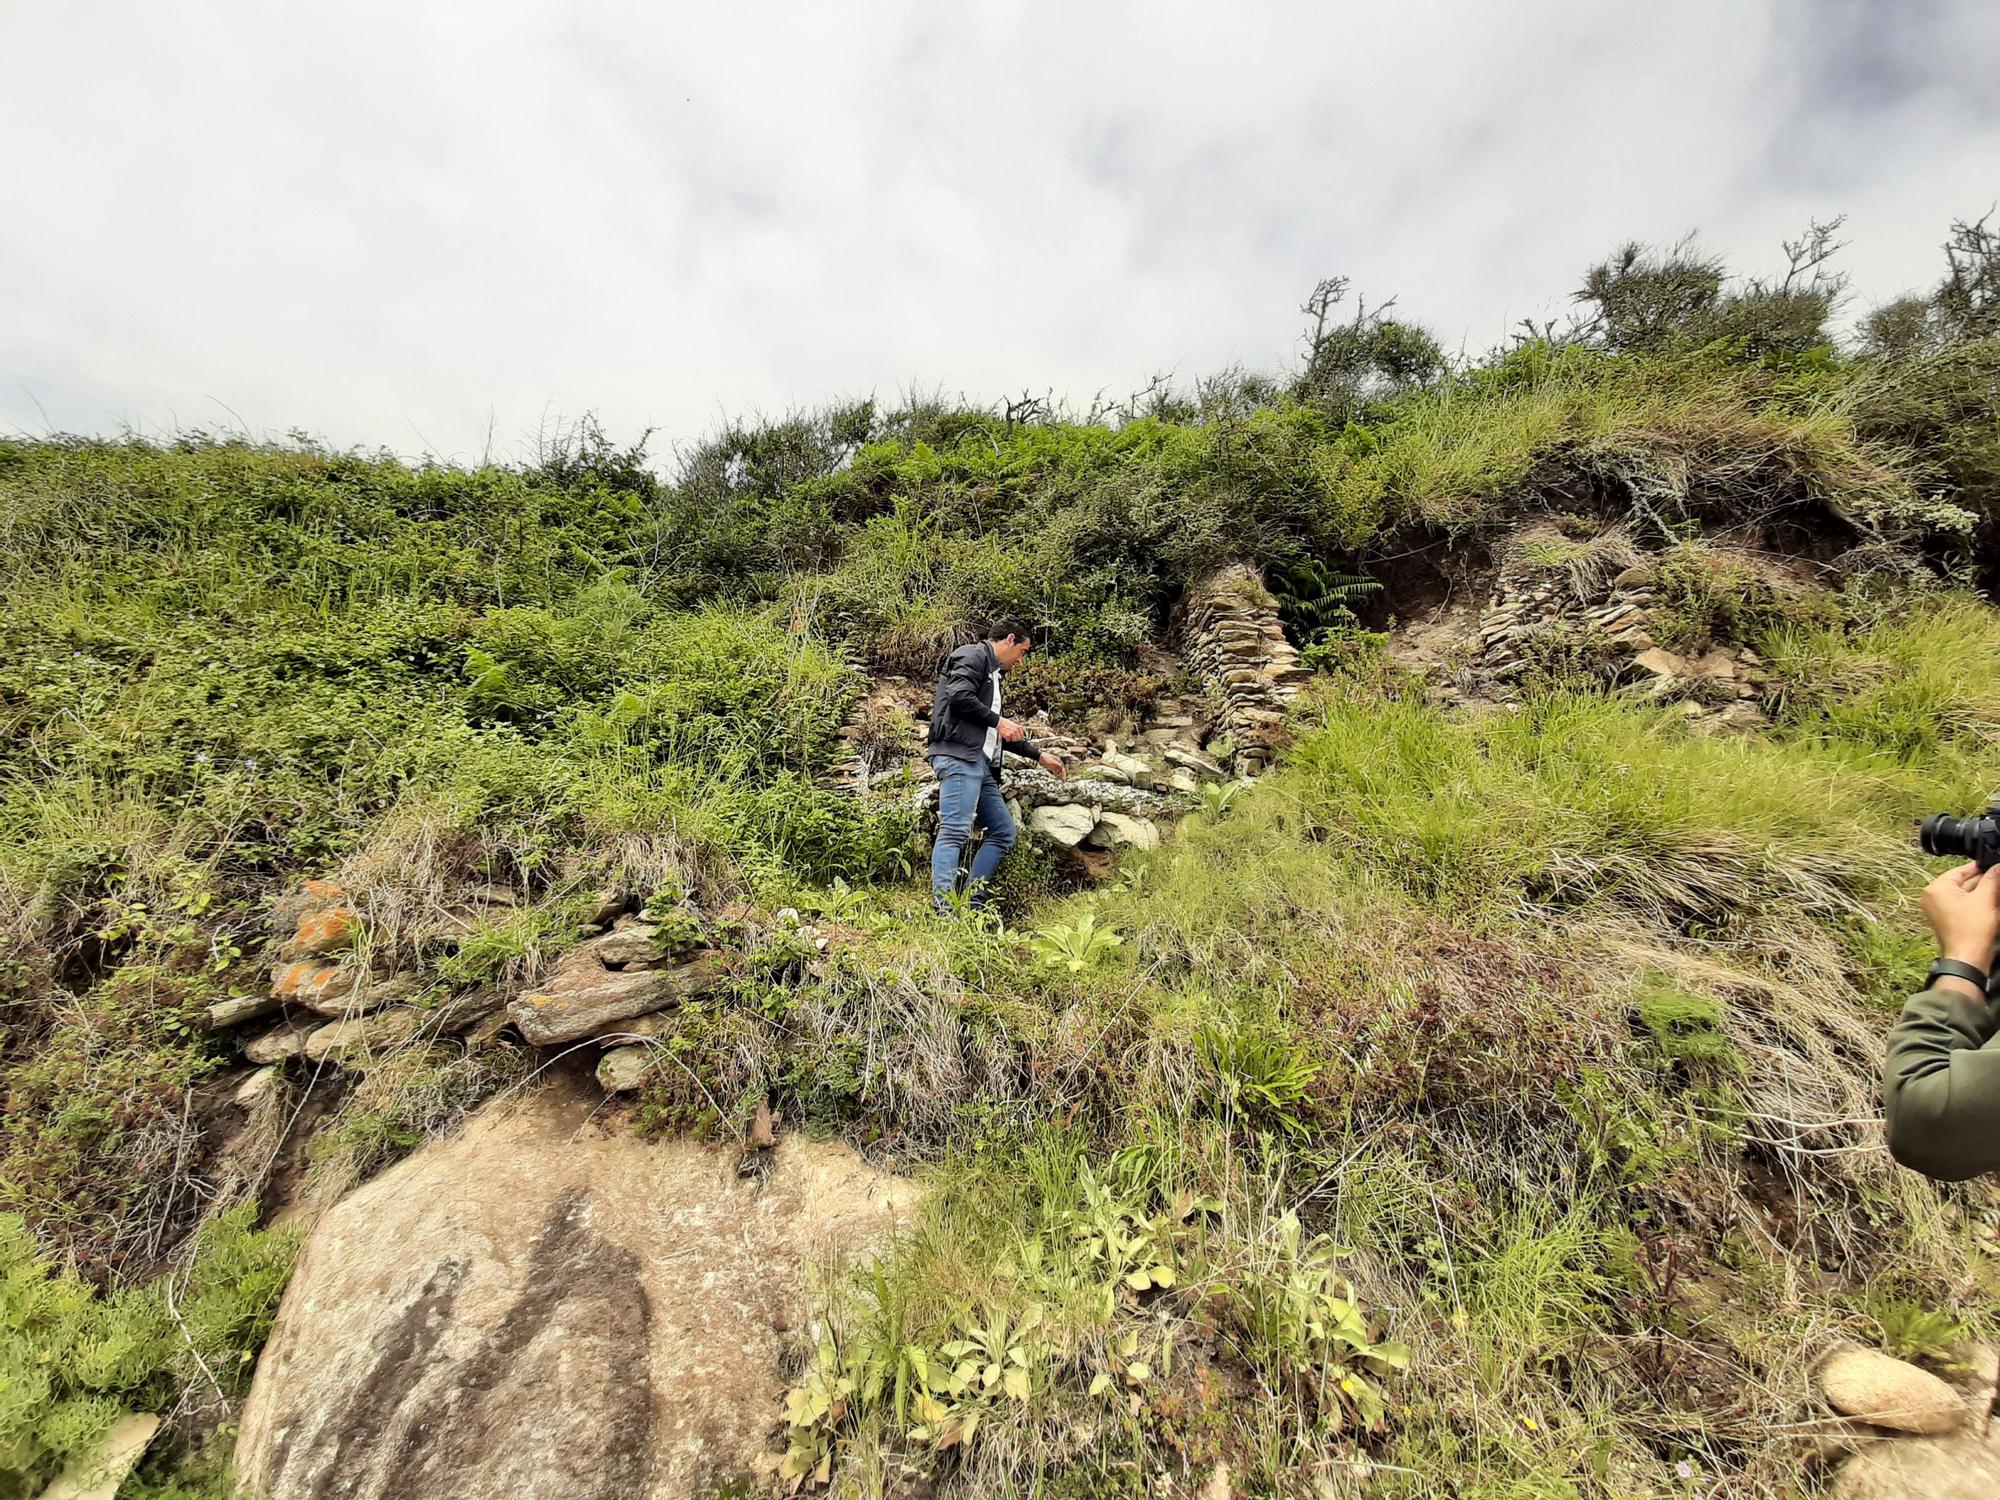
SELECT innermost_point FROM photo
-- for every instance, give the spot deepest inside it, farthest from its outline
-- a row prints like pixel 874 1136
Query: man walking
pixel 968 736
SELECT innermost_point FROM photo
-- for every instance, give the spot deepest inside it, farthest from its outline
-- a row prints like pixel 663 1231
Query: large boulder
pixel 1964 1467
pixel 538 1309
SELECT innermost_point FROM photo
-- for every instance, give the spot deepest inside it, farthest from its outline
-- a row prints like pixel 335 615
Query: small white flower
pixel 249 765
pixel 201 757
pixel 1684 1469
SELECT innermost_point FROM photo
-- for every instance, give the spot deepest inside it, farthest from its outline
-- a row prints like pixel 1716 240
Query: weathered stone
pixel 609 906
pixel 1063 823
pixel 1184 781
pixel 1098 771
pixel 1194 760
pixel 1719 665
pixel 630 942
pixel 1131 765
pixel 226 1013
pixel 97 1474
pixel 322 931
pixel 1964 1467
pixel 256 1086
pixel 364 1035
pixel 1975 1375
pixel 655 1023
pixel 624 1068
pixel 1888 1392
pixel 1743 716
pixel 582 995
pixel 1117 831
pixel 321 986
pixel 538 1308
pixel 276 1045
pixel 1661 663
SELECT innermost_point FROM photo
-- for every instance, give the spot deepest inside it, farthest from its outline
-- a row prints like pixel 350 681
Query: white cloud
pixel 402 224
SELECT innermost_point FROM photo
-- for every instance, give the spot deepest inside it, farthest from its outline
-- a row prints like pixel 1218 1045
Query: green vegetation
pixel 1480 1092
pixel 72 1362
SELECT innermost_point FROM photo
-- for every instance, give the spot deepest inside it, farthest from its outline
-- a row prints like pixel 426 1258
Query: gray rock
pixel 1868 1384
pixel 657 1023
pixel 630 942
pixel 1965 1467
pixel 288 1040
pixel 226 1013
pixel 364 1036
pixel 1063 823
pixel 1194 760
pixel 1662 663
pixel 1117 831
pixel 583 996
pixel 256 1086
pixel 97 1474
pixel 624 1068
pixel 610 905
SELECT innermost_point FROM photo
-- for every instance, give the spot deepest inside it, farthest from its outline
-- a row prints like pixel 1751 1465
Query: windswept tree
pixel 1643 300
pixel 1352 361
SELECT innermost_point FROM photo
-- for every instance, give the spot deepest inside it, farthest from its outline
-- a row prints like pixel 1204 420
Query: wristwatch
pixel 1958 968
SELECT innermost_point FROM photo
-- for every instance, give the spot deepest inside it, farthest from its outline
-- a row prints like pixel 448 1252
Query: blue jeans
pixel 968 794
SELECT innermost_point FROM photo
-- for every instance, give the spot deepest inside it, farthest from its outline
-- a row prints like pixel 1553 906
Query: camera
pixel 1976 839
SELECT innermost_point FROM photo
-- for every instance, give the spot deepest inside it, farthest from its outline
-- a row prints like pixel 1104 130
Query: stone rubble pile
pixel 1537 617
pixel 331 1004
pixel 1232 640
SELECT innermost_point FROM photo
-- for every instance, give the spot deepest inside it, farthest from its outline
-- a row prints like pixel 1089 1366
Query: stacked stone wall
pixel 1232 640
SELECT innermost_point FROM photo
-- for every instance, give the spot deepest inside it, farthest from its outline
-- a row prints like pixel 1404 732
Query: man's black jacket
pixel 963 710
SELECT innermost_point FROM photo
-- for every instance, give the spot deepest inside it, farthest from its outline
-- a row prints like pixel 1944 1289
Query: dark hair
pixel 1020 630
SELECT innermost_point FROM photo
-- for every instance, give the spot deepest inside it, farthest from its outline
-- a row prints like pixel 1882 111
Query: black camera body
pixel 1976 839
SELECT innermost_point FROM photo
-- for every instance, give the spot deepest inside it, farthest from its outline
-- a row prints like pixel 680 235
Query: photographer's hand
pixel 1963 908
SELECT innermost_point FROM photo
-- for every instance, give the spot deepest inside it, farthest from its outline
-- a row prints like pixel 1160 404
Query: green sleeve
pixel 1941 1087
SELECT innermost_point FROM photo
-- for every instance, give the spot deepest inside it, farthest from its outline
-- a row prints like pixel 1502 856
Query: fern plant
pixel 1314 599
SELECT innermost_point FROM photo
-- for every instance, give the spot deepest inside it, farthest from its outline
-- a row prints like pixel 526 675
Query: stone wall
pixel 1594 608
pixel 1231 638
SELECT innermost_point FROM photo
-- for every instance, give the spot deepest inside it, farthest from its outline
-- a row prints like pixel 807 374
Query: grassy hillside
pixel 1486 1094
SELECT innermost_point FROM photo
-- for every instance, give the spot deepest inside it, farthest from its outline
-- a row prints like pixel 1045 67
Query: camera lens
pixel 1944 834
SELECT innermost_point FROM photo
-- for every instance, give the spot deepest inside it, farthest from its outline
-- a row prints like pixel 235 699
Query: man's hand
pixel 1052 763
pixel 1011 730
pixel 1963 908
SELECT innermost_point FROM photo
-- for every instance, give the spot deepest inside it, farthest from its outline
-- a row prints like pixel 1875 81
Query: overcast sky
pixel 433 227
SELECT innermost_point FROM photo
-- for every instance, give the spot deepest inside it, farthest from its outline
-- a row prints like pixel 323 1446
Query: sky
pixel 451 229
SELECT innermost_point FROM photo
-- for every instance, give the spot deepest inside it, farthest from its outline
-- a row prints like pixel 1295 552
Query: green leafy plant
pixel 1257 1074
pixel 1217 797
pixel 1912 1331
pixel 1304 1327
pixel 1078 946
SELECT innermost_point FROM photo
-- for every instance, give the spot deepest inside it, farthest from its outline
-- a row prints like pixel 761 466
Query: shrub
pixel 72 1361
